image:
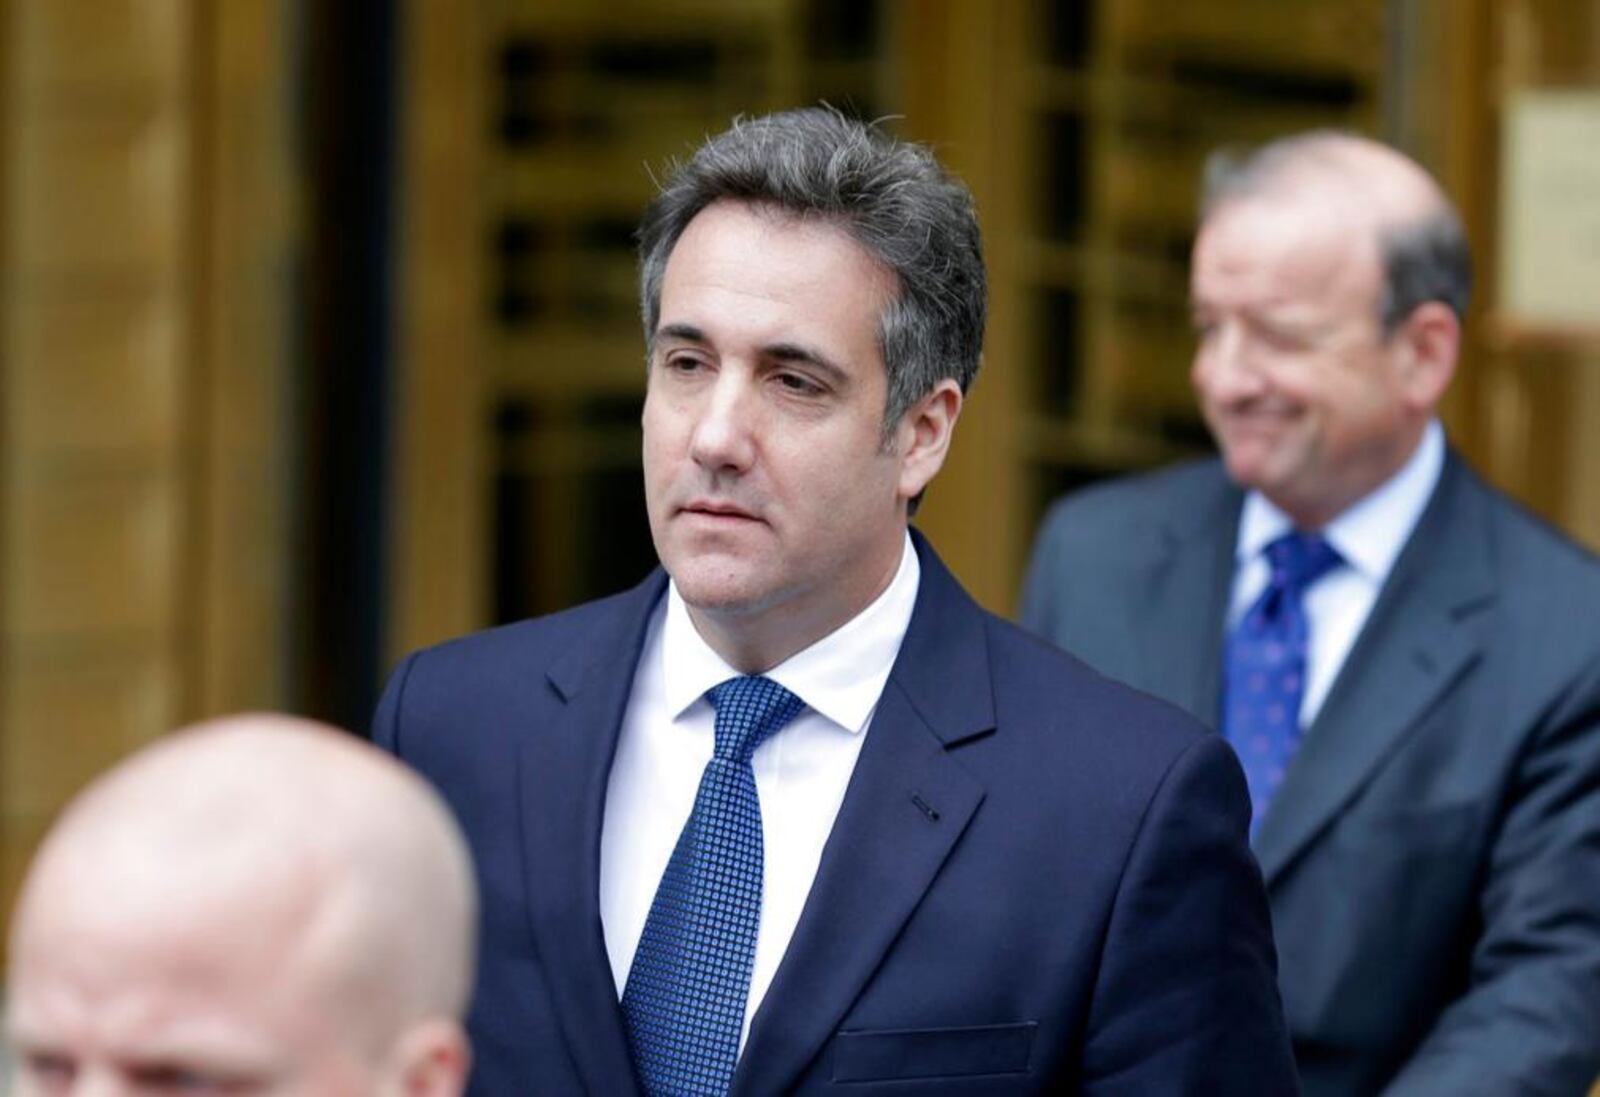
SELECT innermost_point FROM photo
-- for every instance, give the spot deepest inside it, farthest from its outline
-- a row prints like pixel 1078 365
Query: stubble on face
pixel 773 502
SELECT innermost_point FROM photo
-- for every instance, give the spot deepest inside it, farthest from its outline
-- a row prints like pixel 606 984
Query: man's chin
pixel 721 589
pixel 1253 467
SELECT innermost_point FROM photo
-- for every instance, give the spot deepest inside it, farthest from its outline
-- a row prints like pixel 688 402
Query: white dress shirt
pixel 801 771
pixel 1368 535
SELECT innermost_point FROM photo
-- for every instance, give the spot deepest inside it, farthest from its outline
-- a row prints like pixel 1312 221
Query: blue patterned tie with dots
pixel 1266 667
pixel 685 997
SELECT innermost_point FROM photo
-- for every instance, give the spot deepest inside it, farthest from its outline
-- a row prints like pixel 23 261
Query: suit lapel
pixel 907 804
pixel 1186 604
pixel 1420 637
pixel 564 770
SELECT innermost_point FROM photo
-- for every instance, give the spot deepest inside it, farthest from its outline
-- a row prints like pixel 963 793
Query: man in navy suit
pixel 795 815
pixel 1428 792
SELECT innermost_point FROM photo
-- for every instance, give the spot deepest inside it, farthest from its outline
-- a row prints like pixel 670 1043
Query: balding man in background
pixel 1407 663
pixel 259 906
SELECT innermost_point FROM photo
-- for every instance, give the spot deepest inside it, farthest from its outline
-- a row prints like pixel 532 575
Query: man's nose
pixel 724 436
pixel 1224 369
pixel 100 1083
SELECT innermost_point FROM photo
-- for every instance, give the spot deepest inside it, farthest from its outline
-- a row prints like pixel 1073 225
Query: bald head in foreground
pixel 1403 658
pixel 255 906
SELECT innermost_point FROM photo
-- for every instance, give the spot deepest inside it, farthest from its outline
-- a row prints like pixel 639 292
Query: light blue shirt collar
pixel 1370 533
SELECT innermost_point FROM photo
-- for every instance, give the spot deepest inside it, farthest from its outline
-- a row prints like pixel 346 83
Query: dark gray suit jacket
pixel 1433 857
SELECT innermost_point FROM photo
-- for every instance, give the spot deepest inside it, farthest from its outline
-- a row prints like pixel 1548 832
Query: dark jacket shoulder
pixel 1548 584
pixel 1038 679
pixel 538 641
pixel 1158 496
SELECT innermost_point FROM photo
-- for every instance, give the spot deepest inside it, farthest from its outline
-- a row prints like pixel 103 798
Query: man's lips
pixel 1256 420
pixel 718 510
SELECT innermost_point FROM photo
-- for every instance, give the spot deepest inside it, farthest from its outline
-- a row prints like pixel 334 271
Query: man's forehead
pixel 188 934
pixel 1320 215
pixel 147 1007
pixel 198 948
pixel 135 883
pixel 793 285
pixel 1282 253
pixel 737 225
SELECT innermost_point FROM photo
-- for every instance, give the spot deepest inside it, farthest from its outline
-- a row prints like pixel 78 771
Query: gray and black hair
pixel 1423 260
pixel 891 196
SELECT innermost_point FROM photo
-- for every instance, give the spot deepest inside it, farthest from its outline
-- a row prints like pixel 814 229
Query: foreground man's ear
pixel 431 1059
pixel 923 437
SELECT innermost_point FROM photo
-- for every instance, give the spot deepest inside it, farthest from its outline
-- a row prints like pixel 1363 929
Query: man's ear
pixel 1428 342
pixel 923 437
pixel 431 1059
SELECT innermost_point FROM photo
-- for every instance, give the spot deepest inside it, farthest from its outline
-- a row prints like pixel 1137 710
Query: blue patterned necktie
pixel 1266 667
pixel 685 996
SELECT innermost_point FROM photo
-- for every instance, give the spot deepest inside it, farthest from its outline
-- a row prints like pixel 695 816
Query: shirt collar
pixel 841 676
pixel 1369 534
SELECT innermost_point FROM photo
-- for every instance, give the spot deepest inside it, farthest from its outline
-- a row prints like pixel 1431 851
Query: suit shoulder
pixel 534 640
pixel 1037 682
pixel 1542 568
pixel 1100 749
pixel 1096 545
pixel 1536 544
pixel 1135 500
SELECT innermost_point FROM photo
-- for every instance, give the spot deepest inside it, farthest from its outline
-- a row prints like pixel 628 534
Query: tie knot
pixel 1300 559
pixel 748 710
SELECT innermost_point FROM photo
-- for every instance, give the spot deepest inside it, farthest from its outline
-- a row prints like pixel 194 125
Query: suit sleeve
pixel 385 730
pixel 1186 1001
pixel 1529 1022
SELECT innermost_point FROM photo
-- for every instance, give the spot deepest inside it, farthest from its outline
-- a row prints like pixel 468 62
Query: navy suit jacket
pixel 1433 856
pixel 1038 881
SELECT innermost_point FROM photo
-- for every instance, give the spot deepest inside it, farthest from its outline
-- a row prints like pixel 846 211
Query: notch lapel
pixel 564 769
pixel 907 804
pixel 1421 636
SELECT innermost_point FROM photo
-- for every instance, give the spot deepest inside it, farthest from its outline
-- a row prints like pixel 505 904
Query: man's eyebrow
pixel 686 332
pixel 795 352
pixel 782 352
pixel 167 1071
